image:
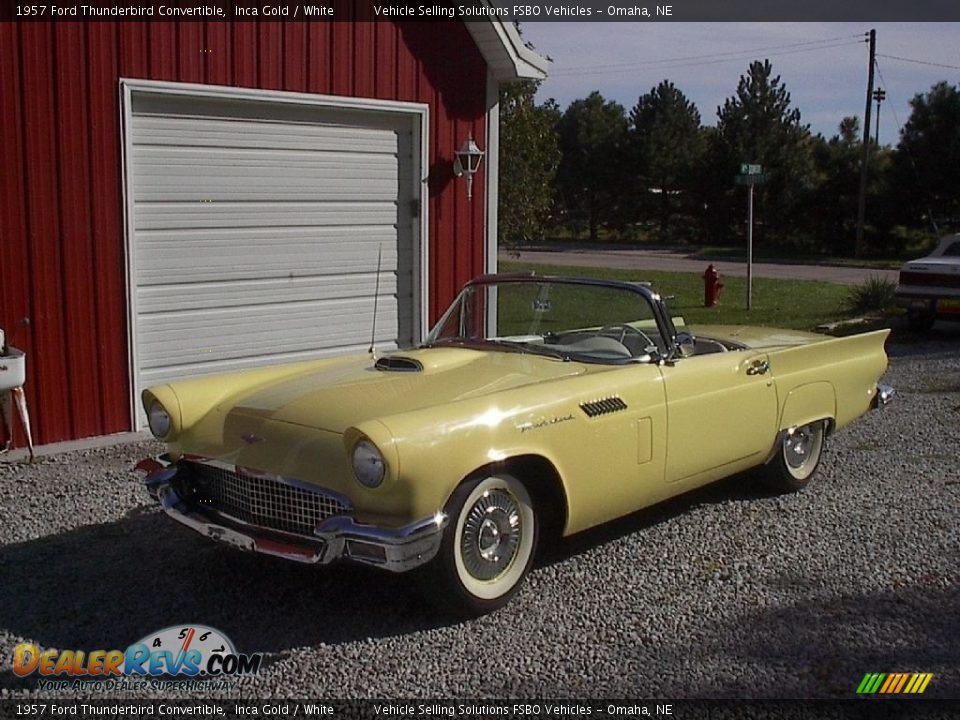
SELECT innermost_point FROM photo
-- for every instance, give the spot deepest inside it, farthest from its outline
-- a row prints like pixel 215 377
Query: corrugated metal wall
pixel 61 224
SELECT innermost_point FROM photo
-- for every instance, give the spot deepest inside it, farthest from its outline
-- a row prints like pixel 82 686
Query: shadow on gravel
pixel 805 650
pixel 908 629
pixel 943 340
pixel 737 488
pixel 817 649
pixel 107 586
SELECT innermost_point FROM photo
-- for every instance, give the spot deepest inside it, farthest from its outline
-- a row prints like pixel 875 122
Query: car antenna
pixel 376 297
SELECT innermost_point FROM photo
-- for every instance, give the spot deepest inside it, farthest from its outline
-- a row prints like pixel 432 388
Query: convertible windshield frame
pixel 661 317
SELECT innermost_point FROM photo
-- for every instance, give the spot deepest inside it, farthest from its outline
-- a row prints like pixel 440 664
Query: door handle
pixel 760 367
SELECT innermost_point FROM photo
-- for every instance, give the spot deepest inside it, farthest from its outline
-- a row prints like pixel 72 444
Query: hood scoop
pixel 398 363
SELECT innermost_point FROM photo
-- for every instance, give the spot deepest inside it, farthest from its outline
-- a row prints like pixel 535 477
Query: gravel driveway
pixel 725 592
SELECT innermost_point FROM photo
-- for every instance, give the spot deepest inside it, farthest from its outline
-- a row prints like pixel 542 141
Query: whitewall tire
pixel 797 458
pixel 488 546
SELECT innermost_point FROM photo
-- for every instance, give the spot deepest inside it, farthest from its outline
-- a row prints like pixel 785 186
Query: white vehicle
pixel 930 287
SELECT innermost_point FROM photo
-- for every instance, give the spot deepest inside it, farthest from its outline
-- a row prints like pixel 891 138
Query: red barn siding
pixel 61 204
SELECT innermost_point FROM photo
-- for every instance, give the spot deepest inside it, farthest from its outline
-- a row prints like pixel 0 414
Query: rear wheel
pixel 487 548
pixel 797 458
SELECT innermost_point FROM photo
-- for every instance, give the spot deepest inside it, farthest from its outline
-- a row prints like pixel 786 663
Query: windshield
pixel 557 318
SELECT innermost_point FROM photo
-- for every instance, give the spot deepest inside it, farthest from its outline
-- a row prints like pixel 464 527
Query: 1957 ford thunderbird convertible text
pixel 535 404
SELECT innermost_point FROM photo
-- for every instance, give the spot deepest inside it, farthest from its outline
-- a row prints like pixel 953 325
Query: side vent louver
pixel 603 407
pixel 393 363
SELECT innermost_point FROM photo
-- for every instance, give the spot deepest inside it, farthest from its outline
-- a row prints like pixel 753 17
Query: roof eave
pixel 507 57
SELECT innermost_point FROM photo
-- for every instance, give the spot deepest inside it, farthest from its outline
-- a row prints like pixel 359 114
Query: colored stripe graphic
pixel 871 683
pixel 894 683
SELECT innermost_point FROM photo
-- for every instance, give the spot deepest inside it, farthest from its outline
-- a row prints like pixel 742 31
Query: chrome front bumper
pixel 336 538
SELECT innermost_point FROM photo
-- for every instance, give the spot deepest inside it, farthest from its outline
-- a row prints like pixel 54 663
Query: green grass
pixel 796 304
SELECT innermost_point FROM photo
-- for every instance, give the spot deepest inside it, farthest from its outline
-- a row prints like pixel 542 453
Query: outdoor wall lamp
pixel 467 161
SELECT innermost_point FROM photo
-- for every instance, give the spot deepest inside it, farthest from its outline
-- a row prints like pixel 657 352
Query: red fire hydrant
pixel 711 286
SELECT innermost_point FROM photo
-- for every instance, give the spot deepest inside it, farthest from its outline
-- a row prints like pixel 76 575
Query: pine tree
pixel 668 148
pixel 758 125
pixel 592 135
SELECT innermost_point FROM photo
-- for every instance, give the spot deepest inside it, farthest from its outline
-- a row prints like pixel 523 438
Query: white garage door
pixel 255 230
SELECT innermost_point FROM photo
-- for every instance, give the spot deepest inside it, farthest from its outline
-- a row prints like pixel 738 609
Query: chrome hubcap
pixel 491 534
pixel 796 449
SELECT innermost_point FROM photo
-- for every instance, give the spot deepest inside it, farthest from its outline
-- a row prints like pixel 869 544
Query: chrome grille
pixel 264 501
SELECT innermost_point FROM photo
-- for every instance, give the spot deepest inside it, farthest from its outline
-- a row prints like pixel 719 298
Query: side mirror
pixel 685 345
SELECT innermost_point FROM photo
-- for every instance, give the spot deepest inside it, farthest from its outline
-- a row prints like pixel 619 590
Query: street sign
pixel 750 174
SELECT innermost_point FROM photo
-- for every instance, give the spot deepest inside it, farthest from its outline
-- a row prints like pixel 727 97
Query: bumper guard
pixel 885 393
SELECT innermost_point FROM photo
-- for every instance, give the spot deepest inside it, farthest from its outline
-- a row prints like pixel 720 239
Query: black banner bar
pixel 872 709
pixel 479 10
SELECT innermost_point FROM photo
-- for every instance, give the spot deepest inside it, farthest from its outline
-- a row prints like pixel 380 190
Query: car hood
pixel 336 397
pixel 761 338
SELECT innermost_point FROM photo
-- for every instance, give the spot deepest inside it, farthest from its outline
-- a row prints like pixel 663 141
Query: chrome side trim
pixel 885 394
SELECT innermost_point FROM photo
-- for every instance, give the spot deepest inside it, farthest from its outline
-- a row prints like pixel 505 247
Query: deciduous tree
pixel 529 156
pixel 926 161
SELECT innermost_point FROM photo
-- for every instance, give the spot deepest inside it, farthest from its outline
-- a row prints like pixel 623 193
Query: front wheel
pixel 797 458
pixel 487 548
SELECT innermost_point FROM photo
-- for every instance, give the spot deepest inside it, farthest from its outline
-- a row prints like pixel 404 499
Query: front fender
pixel 434 451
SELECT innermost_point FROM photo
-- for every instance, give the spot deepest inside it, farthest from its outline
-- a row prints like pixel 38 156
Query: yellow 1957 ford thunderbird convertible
pixel 536 403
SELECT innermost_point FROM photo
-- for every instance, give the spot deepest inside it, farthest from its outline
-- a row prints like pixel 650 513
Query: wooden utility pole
pixel 860 248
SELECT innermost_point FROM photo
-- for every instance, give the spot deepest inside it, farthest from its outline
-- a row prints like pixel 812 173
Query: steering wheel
pixel 623 329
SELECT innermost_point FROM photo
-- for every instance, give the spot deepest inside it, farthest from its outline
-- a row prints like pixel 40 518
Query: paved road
pixel 672 261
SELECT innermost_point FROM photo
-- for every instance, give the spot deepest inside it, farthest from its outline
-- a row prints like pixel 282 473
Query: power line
pixel 919 62
pixel 711 55
pixel 690 60
pixel 885 86
pixel 745 56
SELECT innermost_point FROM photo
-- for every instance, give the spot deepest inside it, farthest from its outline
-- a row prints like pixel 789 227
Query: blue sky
pixel 823 65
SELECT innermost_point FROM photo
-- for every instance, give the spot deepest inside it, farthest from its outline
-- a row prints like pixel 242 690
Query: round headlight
pixel 159 420
pixel 368 464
